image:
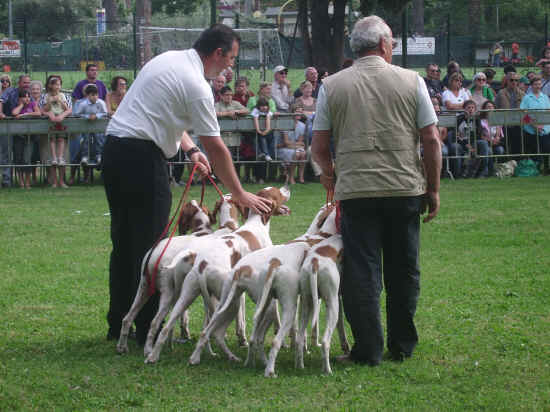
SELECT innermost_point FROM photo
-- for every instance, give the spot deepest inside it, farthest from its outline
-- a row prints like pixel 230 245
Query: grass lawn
pixel 296 76
pixel 483 315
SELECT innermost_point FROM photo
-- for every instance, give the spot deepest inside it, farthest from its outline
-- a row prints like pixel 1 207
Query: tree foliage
pixel 172 7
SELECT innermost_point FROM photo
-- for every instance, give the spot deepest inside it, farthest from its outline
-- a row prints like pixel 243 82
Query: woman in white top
pixel 454 97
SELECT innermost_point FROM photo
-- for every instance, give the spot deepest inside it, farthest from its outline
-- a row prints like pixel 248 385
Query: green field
pixel 483 315
pixel 296 76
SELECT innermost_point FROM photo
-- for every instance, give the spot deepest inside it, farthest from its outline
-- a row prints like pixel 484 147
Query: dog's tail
pixel 313 275
pixel 266 292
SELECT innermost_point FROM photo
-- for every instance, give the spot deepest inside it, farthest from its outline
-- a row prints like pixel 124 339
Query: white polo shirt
pixel 170 95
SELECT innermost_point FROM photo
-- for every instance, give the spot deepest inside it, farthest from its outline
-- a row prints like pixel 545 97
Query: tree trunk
pixel 474 17
pixel 327 34
pixel 111 14
pixel 143 17
pixel 418 22
pixel 303 23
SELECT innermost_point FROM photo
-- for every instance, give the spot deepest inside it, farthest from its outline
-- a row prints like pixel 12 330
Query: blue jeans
pixel 267 144
pixel 93 141
pixel 483 150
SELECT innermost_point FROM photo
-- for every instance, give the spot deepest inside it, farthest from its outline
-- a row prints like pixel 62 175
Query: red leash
pixel 153 277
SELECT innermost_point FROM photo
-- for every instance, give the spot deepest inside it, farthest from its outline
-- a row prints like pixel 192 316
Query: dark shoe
pixel 345 359
pixel 112 335
pixel 396 356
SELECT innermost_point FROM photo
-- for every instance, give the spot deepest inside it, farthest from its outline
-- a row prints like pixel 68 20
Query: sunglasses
pixel 481 80
pixel 513 80
pixel 435 70
pixel 5 81
pixel 283 72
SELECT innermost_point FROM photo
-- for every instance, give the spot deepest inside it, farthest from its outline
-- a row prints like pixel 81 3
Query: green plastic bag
pixel 525 168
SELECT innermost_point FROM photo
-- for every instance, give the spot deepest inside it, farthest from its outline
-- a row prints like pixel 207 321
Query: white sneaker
pixel 54 161
pixel 61 161
pixel 268 158
pixel 84 161
pixel 98 159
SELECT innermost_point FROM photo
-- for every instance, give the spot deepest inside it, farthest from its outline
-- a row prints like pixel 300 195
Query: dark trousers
pixel 137 188
pixel 381 236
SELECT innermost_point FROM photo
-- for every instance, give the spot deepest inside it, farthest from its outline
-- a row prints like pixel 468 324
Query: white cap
pixel 279 68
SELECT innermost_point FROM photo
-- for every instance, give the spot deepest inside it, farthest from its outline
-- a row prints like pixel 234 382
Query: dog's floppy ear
pixel 187 213
pixel 212 215
pixel 326 212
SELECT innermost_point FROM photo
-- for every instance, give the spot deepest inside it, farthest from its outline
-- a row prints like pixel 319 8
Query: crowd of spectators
pixel 268 153
pixel 89 100
pixel 473 146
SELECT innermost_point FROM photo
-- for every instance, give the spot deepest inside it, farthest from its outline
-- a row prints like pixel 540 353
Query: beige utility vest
pixel 372 107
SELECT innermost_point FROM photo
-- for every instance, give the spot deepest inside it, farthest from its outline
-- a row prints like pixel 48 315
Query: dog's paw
pixel 151 359
pixel 122 349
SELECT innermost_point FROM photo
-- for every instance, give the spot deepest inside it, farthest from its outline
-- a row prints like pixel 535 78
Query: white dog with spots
pixel 265 274
pixel 198 220
pixel 320 277
pixel 209 264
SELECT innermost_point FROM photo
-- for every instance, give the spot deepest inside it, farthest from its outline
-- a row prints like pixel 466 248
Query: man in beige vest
pixel 376 112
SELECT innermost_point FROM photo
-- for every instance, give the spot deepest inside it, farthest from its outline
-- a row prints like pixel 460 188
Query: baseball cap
pixel 279 68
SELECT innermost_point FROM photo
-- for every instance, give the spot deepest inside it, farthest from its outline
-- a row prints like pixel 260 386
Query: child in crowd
pixel 92 108
pixel 54 108
pixel 492 134
pixel 266 140
pixel 23 145
pixel 471 141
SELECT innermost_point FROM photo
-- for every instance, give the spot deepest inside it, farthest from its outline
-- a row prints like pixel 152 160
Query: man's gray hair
pixel 367 34
pixel 308 69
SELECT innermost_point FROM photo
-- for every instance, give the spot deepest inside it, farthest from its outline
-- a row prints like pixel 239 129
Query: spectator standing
pixel 91 77
pixel 91 108
pixel 311 75
pixel 8 101
pixel 306 101
pixel 490 75
pixel 266 139
pixel 536 99
pixel 119 86
pixel 381 184
pixel 36 93
pixel 515 53
pixel 493 134
pixel 56 108
pixel 453 67
pixel 545 79
pixel 292 149
pixel 23 145
pixel 4 146
pixel 433 81
pixel 480 91
pixel 510 98
pixel 280 89
pixel 217 85
pixel 242 94
pixel 454 97
pixel 507 70
pixel 169 95
pixel 497 51
pixel 470 140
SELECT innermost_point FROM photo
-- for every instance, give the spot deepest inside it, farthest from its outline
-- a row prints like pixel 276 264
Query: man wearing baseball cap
pixel 280 89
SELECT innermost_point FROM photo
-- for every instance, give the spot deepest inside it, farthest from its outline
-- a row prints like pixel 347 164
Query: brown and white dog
pixel 199 221
pixel 266 274
pixel 209 264
pixel 320 277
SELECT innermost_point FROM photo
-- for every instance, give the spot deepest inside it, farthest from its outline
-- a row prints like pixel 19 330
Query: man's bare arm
pixel 432 163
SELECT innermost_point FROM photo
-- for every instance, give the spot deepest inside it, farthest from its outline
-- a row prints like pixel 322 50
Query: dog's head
pixel 193 217
pixel 227 210
pixel 278 197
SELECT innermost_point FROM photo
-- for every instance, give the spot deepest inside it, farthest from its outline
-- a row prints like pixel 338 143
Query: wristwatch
pixel 190 152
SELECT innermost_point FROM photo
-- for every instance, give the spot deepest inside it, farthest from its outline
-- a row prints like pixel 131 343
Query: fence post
pixel 448 39
pixel 404 36
pixel 25 42
pixel 213 12
pixel 135 45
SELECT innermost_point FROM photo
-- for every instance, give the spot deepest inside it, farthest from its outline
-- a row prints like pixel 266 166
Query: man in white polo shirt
pixel 169 96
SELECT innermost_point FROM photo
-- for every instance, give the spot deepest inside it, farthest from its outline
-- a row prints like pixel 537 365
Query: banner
pixel 100 14
pixel 416 46
pixel 10 48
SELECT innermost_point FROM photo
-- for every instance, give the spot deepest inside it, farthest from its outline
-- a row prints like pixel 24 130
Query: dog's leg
pixel 189 292
pixel 241 322
pixel 332 319
pixel 217 326
pixel 288 303
pixel 141 299
pixel 184 327
pixel 305 318
pixel 165 302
